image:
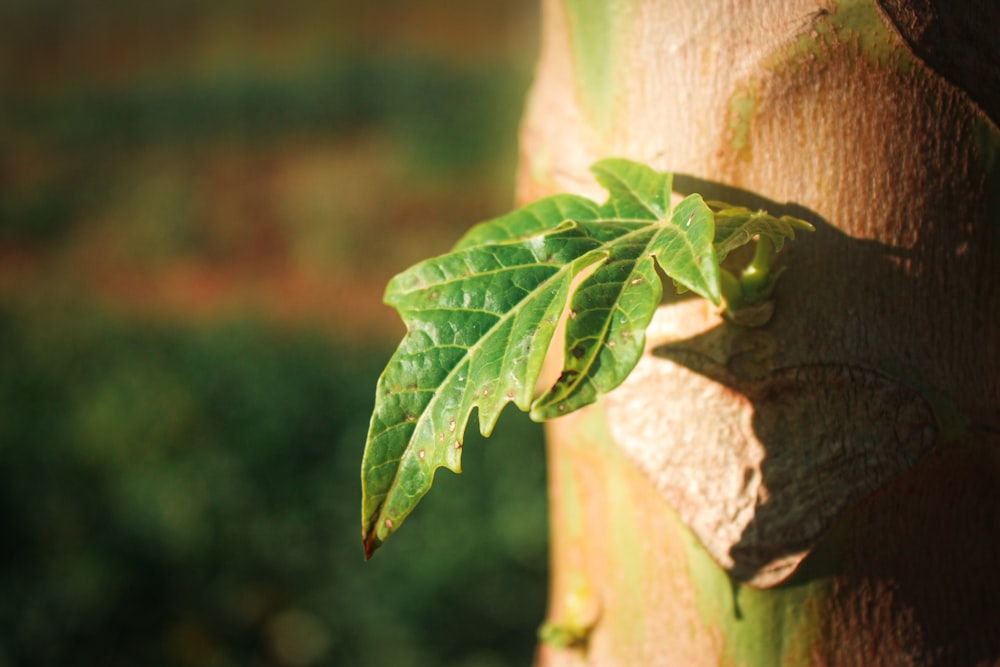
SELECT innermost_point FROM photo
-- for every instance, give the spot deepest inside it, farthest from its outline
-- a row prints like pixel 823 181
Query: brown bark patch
pixel 789 449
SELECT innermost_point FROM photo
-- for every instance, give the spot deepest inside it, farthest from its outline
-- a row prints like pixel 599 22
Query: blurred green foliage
pixel 180 485
pixel 448 112
pixel 190 496
pixel 439 119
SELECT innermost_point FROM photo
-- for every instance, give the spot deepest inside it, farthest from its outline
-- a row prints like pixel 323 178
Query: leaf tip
pixel 798 223
pixel 370 539
pixel 371 543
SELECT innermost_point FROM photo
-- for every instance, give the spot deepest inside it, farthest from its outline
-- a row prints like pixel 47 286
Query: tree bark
pixel 824 489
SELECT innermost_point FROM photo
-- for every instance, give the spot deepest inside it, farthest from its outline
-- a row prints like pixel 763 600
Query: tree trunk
pixel 823 489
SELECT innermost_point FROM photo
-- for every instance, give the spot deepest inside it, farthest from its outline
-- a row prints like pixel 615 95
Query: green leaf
pixel 609 313
pixel 540 216
pixel 479 323
pixel 636 190
pixel 480 320
pixel 737 226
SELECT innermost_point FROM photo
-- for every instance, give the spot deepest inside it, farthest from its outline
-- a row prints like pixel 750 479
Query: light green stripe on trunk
pixel 595 30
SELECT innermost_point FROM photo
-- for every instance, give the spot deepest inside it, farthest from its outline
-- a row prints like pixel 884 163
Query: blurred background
pixel 200 204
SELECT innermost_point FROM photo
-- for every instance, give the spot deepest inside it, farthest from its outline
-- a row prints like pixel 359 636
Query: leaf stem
pixel 757 276
pixel 747 298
